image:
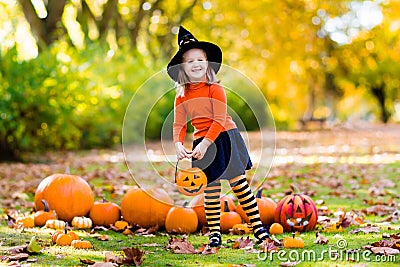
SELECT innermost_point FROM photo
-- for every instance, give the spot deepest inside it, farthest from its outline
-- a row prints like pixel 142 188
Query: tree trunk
pixel 379 93
pixel 45 29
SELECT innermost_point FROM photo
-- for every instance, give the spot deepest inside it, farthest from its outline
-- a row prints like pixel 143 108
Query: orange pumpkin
pixel 293 242
pixel 181 220
pixel 266 207
pixel 81 244
pixel 197 204
pixel 105 213
pixel 64 238
pixel 146 207
pixel 42 216
pixel 276 229
pixel 27 222
pixel 296 212
pixel 229 219
pixel 191 182
pixel 69 195
pixel 121 225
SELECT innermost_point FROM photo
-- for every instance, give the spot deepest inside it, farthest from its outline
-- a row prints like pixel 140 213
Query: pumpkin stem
pixel 185 204
pixel 293 235
pixel 259 193
pixel 67 170
pixel 46 205
pixel 295 189
pixel 104 200
pixel 226 206
pixel 65 228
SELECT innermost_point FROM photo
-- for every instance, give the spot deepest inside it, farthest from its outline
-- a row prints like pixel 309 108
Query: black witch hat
pixel 187 41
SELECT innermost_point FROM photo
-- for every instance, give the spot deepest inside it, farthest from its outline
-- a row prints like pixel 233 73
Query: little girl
pixel 218 148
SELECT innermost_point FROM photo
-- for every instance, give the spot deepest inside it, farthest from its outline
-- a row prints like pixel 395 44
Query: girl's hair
pixel 183 80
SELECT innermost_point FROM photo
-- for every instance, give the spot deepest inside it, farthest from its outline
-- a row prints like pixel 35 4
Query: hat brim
pixel 214 56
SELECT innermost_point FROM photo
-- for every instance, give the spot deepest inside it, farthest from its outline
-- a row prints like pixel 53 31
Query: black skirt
pixel 226 158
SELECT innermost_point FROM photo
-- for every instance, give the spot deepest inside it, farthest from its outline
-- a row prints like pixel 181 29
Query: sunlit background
pixel 69 67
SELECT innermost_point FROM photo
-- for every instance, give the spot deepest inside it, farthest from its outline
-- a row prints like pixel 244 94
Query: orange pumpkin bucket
pixel 190 182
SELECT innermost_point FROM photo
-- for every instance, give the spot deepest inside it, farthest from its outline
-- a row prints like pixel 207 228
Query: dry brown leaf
pixel 289 263
pixel 321 239
pixel 384 251
pixel 366 230
pixel 147 232
pixel 205 249
pixel 17 257
pixel 109 257
pixel 242 243
pixel 104 264
pixel 180 246
pixel 270 245
pixel 87 261
pixel 18 249
pixel 133 255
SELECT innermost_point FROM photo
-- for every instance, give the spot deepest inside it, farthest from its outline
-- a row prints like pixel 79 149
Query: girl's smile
pixel 195 64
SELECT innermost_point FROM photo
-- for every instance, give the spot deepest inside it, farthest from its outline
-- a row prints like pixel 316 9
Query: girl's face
pixel 195 64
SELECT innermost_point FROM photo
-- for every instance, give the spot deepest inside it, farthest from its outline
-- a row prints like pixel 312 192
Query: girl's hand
pixel 200 150
pixel 181 151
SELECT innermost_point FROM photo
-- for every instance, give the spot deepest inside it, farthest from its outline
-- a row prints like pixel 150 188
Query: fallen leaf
pixel 269 246
pixel 146 232
pixel 104 264
pixel 242 243
pixel 384 251
pixel 366 230
pixel 33 246
pixel 321 239
pixel 289 263
pixel 133 255
pixel 205 249
pixel 109 257
pixel 102 237
pixel 18 249
pixel 87 261
pixel 18 257
pixel 180 246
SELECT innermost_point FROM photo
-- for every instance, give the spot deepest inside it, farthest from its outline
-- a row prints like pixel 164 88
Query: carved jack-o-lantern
pixel 296 212
pixel 191 182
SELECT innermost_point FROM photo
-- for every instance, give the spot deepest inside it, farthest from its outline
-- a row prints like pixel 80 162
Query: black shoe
pixel 262 235
pixel 215 240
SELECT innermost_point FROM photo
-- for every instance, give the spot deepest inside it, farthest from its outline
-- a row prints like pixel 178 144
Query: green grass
pixel 353 184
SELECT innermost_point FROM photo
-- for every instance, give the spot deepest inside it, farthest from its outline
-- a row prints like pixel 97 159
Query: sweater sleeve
pixel 179 125
pixel 219 107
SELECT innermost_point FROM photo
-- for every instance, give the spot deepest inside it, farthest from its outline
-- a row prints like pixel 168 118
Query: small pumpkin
pixel 276 229
pixel 266 207
pixel 105 213
pixel 296 212
pixel 241 228
pixel 42 216
pixel 146 207
pixel 55 235
pixel 181 220
pixel 69 195
pixel 190 182
pixel 121 225
pixel 55 224
pixel 81 244
pixel 81 222
pixel 27 222
pixel 197 204
pixel 229 219
pixel 293 242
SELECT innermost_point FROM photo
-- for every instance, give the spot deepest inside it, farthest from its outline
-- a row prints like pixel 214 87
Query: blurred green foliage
pixel 66 99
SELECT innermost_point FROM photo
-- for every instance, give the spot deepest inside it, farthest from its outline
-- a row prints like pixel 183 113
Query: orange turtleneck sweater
pixel 206 107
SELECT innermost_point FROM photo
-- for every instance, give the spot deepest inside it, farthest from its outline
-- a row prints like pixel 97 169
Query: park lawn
pixel 341 187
